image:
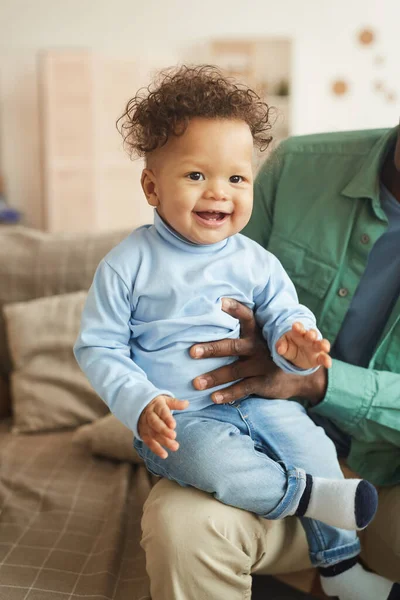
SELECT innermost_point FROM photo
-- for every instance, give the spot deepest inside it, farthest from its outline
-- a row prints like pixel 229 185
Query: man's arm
pixel 363 402
pixel 258 373
pixel 366 401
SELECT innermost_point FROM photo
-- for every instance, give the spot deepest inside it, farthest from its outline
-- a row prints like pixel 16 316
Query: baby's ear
pixel 149 186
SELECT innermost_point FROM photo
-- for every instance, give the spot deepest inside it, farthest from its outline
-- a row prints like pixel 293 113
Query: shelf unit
pixel 265 65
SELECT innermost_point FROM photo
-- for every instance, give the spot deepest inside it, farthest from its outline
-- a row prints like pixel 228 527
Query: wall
pixel 158 33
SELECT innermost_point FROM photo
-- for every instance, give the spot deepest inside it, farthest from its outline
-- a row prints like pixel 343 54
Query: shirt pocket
pixel 311 276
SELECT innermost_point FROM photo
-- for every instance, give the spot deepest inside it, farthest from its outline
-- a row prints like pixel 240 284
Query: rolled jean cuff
pixel 326 558
pixel 296 484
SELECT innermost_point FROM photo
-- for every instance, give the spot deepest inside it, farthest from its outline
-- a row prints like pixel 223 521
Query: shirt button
pixel 343 292
pixel 365 238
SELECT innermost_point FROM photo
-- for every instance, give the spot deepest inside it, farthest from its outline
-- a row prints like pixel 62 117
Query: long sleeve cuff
pixel 348 396
pixel 130 414
pixel 289 367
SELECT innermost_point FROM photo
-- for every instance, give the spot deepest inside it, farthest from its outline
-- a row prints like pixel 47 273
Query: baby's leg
pixel 217 455
pixel 286 432
pixel 289 435
pixel 220 453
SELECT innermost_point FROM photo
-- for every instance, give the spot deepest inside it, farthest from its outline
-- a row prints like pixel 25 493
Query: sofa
pixel 71 486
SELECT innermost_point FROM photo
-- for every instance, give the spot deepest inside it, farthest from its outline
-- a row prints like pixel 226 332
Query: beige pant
pixel 199 549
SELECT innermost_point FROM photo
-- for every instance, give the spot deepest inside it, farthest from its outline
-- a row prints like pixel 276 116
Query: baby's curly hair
pixel 180 94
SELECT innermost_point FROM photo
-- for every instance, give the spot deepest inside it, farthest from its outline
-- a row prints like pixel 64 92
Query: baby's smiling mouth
pixel 211 215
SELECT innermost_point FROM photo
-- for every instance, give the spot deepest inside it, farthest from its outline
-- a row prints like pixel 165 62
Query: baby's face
pixel 203 180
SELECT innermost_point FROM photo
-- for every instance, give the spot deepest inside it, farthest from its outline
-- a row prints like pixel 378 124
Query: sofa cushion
pixel 69 522
pixel 108 437
pixel 49 391
pixel 35 264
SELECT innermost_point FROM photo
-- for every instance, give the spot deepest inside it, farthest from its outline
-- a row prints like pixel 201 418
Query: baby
pixel 160 291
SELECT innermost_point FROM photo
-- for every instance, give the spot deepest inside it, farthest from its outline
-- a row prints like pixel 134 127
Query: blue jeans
pixel 254 454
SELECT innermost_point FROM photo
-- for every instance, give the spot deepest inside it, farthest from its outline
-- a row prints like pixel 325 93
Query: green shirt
pixel 317 208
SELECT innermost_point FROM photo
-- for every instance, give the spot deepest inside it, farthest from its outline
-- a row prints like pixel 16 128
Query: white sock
pixel 358 584
pixel 344 503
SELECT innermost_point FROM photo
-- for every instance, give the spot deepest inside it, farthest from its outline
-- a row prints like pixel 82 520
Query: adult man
pixel 329 207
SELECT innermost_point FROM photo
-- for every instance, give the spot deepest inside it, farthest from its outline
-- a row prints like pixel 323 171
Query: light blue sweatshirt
pixel 156 294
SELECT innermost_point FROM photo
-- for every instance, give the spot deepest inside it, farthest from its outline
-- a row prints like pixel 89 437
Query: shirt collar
pixel 176 239
pixel 365 183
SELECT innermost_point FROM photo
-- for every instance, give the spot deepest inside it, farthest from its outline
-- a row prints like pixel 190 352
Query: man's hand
pixel 157 425
pixel 303 348
pixel 260 376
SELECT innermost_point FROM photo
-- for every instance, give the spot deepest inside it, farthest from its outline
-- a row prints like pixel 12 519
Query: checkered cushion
pixel 69 522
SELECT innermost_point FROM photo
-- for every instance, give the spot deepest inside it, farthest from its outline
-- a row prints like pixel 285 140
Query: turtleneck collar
pixel 177 240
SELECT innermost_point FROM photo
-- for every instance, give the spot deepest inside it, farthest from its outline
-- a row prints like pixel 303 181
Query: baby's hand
pixel 303 349
pixel 156 424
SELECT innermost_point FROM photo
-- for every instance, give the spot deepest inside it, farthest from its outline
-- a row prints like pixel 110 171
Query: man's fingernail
pixel 226 303
pixel 218 398
pixel 198 352
pixel 202 383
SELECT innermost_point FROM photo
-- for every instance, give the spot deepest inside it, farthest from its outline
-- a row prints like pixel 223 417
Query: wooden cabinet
pixel 90 183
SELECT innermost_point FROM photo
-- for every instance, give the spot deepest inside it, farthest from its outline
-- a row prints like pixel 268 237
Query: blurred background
pixel 67 70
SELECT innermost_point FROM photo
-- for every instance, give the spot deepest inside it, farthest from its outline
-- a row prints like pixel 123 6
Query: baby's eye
pixel 236 179
pixel 196 176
